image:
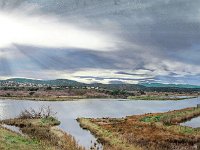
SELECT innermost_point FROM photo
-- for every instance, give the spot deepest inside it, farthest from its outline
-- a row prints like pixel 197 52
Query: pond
pixel 68 111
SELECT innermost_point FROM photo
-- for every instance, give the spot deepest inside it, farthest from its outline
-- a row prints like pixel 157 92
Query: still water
pixel 195 123
pixel 68 111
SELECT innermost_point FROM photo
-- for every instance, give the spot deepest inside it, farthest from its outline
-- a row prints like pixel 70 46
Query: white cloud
pixel 46 31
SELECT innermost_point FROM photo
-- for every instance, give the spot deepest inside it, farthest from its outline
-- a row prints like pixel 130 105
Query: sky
pixel 106 41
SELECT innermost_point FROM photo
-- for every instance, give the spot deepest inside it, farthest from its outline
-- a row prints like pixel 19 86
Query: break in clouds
pixel 115 41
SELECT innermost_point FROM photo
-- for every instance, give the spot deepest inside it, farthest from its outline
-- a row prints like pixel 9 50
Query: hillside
pixel 57 82
pixel 150 87
pixel 169 85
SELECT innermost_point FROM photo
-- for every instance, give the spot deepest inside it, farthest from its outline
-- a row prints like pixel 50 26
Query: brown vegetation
pixel 160 131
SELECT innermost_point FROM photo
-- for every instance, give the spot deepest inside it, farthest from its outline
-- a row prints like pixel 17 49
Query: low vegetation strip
pixel 158 97
pixel 52 98
pixel 160 131
pixel 173 117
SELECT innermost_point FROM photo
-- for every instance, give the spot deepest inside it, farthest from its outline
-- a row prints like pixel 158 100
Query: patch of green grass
pixel 12 141
pixel 187 130
pixel 151 119
pixel 19 139
pixel 174 116
pixel 49 121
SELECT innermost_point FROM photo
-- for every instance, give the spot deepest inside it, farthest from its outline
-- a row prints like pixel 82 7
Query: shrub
pixel 43 112
pixel 31 93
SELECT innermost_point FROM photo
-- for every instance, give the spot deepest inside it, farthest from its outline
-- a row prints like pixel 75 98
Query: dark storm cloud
pixel 69 59
pixel 111 78
pixel 131 74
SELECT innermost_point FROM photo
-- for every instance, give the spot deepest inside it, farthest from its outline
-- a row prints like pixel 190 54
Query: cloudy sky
pixel 107 41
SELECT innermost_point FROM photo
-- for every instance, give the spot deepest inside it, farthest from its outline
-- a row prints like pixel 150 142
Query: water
pixel 68 111
pixel 195 123
pixel 12 128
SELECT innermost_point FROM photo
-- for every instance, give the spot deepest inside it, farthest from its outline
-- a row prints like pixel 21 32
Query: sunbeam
pixel 48 32
pixel 5 68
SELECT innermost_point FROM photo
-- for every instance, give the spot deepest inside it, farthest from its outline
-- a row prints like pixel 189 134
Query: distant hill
pixel 57 82
pixel 16 82
pixel 161 85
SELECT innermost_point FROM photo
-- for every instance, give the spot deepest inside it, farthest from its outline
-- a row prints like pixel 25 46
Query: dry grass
pixel 13 141
pixel 159 131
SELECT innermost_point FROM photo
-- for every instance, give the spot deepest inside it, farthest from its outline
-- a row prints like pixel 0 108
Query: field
pixel 160 131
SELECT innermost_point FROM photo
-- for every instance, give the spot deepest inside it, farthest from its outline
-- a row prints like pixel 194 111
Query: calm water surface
pixel 195 123
pixel 68 111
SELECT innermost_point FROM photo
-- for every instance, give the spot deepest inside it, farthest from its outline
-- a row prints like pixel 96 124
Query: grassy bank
pixel 159 131
pixel 42 126
pixel 45 131
pixel 10 140
pixel 159 97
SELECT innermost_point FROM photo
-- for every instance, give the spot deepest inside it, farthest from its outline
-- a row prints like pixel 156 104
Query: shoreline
pixel 76 98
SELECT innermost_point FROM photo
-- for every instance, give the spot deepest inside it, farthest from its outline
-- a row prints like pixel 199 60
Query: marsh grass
pixel 160 131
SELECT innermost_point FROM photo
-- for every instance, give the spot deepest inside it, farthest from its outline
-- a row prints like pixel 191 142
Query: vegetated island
pixel 160 131
pixel 39 133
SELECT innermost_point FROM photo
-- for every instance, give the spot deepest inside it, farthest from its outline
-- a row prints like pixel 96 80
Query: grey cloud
pixel 131 74
pixel 160 29
pixel 70 59
pixel 112 78
pixel 5 67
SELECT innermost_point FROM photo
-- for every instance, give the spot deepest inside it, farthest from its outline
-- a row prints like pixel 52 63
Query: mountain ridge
pixel 169 85
pixel 67 82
